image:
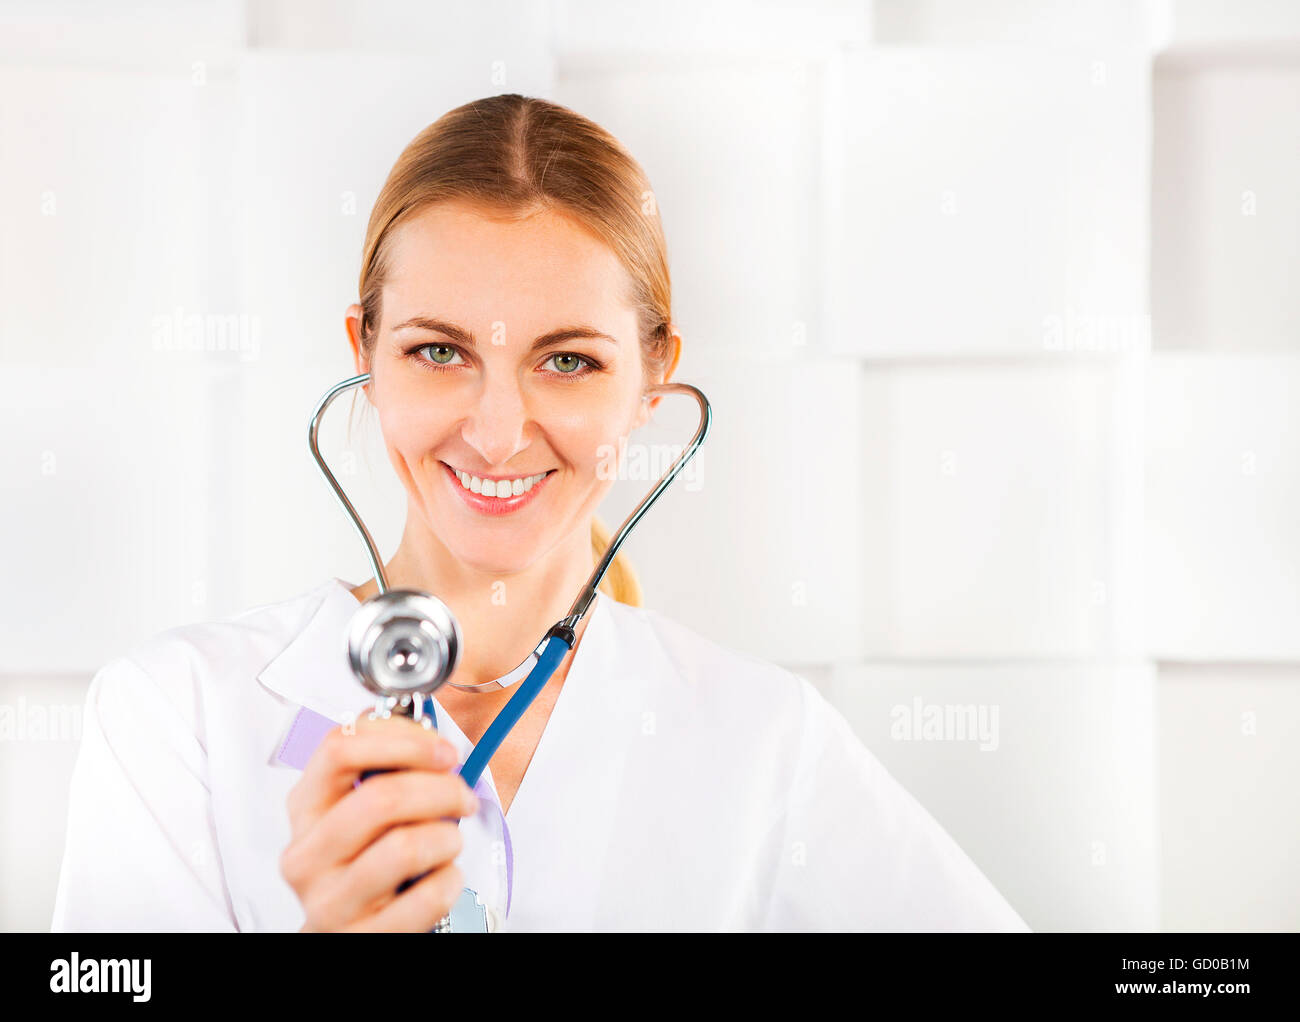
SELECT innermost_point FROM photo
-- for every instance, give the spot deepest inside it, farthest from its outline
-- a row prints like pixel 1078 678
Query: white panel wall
pixel 681 32
pixel 999 495
pixel 108 267
pixel 1230 833
pixel 738 185
pixel 1034 739
pixel 110 520
pixel 991 270
pixel 910 244
pixel 1223 473
pixel 1227 209
pixel 1043 24
pixel 145 34
pixel 1210 23
pixel 1223 463
pixel 994 202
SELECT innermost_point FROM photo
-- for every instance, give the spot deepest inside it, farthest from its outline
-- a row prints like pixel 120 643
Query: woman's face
pixel 505 352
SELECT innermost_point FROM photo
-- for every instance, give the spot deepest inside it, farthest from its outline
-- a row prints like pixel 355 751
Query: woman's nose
pixel 494 424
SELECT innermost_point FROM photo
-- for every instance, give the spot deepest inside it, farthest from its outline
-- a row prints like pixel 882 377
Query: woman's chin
pixel 491 557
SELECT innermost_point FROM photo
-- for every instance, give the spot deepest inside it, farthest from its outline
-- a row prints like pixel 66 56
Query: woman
pixel 515 309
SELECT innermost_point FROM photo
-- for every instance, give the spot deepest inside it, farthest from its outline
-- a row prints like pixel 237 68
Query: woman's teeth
pixel 498 487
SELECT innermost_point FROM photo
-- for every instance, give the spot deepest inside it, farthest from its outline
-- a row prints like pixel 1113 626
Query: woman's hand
pixel 351 847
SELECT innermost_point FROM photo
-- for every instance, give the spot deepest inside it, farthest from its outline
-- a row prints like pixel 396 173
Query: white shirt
pixel 678 785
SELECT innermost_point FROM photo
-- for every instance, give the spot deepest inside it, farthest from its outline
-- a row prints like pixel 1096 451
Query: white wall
pixel 1223 464
pixel 994 301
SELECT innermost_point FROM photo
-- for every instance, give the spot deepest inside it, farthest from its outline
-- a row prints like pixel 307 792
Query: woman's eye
pixel 567 364
pixel 440 354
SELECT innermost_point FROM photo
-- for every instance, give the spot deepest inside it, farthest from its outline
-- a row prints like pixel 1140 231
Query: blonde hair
pixel 514 156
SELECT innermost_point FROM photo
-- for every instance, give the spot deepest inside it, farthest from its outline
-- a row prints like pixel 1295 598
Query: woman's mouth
pixel 496 496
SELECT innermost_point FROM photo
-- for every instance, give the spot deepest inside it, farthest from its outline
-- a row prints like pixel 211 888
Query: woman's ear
pixel 352 321
pixel 674 353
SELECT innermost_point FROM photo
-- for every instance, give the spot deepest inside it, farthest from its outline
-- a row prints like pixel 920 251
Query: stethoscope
pixel 404 644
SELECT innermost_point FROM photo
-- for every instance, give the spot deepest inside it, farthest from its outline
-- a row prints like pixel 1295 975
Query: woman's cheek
pixel 412 425
pixel 581 441
pixel 601 426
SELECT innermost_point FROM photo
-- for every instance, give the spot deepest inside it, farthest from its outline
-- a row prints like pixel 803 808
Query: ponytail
pixel 620 581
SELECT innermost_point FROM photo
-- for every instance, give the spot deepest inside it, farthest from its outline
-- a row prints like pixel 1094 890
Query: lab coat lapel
pixel 566 807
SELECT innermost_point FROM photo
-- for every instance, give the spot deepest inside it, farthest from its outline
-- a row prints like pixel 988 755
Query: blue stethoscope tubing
pixel 555 651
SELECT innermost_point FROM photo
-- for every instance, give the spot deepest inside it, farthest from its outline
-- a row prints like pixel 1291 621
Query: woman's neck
pixel 502 616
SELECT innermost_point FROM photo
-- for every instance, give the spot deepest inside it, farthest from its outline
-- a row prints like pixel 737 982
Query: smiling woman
pixel 514 316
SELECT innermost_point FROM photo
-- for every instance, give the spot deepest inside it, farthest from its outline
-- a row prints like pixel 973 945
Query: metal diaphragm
pixel 402 642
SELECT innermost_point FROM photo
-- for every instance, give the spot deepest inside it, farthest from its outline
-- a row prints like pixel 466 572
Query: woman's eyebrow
pixel 463 336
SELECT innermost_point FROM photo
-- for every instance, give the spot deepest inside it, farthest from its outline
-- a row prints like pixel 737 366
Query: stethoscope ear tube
pixel 404 643
pixel 313 428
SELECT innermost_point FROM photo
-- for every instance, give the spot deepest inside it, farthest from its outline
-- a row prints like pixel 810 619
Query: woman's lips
pixel 494 505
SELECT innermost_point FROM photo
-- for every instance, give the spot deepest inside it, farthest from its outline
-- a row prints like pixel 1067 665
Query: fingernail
pixel 446 755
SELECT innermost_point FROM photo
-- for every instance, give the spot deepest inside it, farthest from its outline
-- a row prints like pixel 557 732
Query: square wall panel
pixel 733 156
pixel 1229 756
pixel 1045 774
pixel 116 511
pixel 1223 503
pixel 111 223
pixel 989 200
pixel 489 31
pixel 1002 510
pixel 318 135
pixel 1225 207
pixel 143 34
pixel 759 547
pixel 587 30
pixel 1059 24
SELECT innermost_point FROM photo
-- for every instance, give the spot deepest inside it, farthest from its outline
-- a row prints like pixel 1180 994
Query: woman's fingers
pixel 369 883
pixel 386 743
pixel 383 801
pixel 355 842
pixel 419 907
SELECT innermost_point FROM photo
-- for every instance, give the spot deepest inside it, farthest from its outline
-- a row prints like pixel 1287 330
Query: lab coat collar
pixel 313 669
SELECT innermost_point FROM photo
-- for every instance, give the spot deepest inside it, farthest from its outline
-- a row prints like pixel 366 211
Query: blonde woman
pixel 514 309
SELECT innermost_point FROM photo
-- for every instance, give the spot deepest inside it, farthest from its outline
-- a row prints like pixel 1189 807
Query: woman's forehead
pixel 470 265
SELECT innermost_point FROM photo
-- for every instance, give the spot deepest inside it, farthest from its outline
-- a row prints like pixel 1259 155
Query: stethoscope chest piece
pixel 402 643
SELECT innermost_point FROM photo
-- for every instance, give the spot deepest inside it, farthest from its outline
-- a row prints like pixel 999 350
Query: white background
pixel 996 304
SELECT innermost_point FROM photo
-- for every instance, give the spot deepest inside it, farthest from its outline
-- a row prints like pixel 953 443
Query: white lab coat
pixel 678 785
